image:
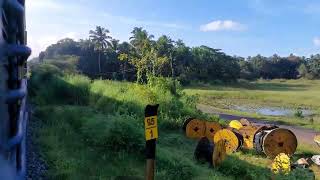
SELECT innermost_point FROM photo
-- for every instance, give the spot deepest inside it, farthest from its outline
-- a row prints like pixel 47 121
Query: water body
pixel 273 111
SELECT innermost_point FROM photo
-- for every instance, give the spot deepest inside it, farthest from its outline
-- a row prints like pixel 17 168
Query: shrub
pixel 78 89
pixel 117 133
pixel 173 166
pixel 298 113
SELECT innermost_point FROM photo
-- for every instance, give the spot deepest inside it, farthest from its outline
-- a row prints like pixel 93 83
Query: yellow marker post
pixel 151 127
pixel 151 134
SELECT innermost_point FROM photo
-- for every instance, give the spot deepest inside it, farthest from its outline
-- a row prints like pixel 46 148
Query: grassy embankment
pixel 291 94
pixel 94 130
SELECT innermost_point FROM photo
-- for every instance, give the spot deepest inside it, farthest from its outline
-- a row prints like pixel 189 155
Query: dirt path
pixel 305 136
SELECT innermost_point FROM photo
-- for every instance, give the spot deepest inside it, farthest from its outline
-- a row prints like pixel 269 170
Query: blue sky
pixel 238 27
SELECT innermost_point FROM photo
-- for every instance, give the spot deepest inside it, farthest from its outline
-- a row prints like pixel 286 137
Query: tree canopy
pixel 100 55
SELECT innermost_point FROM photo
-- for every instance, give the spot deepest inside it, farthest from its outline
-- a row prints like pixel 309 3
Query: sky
pixel 238 27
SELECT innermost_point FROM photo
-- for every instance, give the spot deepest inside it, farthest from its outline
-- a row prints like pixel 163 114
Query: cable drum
pixel 258 141
pixel 275 141
pixel 240 138
pixel 232 139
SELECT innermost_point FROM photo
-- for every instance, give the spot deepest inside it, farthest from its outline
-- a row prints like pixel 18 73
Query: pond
pixel 273 111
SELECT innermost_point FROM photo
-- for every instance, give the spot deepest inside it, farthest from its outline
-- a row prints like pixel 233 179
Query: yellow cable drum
pixel 235 124
pixel 196 128
pixel 245 122
pixel 219 153
pixel 317 139
pixel 248 133
pixel 232 140
pixel 211 129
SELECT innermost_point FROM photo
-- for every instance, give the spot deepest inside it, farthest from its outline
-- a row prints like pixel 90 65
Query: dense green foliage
pixel 102 56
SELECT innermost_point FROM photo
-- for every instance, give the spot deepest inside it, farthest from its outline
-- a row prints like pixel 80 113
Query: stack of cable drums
pixel 197 129
pixel 269 140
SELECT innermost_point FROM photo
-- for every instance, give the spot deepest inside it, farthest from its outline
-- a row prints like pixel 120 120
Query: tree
pixel 165 47
pixel 140 38
pixel 101 40
pixel 246 70
pixel 125 52
pixel 65 46
pixel 314 65
pixel 183 61
pixel 114 45
pixel 303 71
pixel 42 54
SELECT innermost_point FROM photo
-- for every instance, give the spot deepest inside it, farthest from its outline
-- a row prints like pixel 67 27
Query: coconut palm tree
pixel 114 45
pixel 101 40
pixel 139 38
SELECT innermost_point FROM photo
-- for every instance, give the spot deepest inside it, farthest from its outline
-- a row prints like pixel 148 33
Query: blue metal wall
pixel 13 84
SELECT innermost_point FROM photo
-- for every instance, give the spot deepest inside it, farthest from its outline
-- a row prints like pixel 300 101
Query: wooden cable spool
pixel 235 124
pixel 245 122
pixel 274 141
pixel 219 153
pixel 204 150
pixel 248 133
pixel 232 139
pixel 211 129
pixel 196 128
pixel 317 140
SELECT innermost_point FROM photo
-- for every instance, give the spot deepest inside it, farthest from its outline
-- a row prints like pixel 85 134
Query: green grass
pixel 73 153
pixel 274 93
pixel 94 130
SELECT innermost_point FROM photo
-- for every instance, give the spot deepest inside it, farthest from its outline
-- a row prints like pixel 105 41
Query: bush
pixel 116 133
pixel 298 113
pixel 173 166
pixel 78 89
pixel 66 64
pixel 48 85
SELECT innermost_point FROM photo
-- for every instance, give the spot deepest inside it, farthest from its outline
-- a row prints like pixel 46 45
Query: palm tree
pixel 101 40
pixel 114 45
pixel 139 38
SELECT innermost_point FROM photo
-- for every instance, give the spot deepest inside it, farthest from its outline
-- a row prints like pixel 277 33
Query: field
pixel 94 130
pixel 281 94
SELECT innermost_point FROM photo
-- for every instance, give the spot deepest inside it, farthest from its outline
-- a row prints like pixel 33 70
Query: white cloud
pixel 220 25
pixel 316 41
